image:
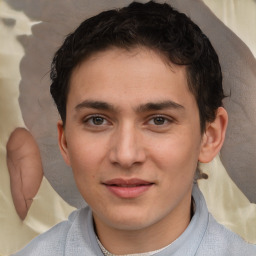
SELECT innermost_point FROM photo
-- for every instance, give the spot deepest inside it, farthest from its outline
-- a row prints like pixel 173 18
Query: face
pixel 132 137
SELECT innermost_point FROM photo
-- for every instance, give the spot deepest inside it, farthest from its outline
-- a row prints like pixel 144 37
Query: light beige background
pixel 52 20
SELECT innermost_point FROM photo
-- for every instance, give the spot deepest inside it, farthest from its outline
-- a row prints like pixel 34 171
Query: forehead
pixel 120 75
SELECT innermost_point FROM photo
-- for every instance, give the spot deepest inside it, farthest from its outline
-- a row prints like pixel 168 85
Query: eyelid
pixel 159 128
pixel 167 118
pixel 89 117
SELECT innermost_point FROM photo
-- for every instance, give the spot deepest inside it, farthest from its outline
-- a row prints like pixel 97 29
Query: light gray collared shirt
pixel 203 237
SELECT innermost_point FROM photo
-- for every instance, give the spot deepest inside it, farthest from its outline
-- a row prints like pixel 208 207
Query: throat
pixel 107 253
pixel 141 240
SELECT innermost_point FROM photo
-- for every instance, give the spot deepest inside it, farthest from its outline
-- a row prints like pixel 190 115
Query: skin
pixel 25 169
pixel 131 115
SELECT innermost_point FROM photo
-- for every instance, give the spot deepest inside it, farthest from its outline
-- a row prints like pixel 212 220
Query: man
pixel 139 92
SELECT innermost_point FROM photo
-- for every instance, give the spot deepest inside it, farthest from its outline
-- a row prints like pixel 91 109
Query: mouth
pixel 128 188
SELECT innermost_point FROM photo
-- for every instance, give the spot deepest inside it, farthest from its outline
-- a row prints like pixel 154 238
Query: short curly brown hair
pixel 153 25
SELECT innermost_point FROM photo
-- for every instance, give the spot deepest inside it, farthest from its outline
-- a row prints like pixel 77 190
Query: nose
pixel 127 147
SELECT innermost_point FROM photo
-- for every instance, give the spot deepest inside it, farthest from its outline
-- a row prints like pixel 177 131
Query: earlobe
pixel 213 136
pixel 63 142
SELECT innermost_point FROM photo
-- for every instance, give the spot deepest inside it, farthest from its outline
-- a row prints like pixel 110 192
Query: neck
pixel 153 237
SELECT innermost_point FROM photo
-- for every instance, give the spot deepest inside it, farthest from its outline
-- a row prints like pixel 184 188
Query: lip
pixel 128 188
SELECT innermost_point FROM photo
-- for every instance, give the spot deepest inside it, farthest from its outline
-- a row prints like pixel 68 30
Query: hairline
pixel 130 48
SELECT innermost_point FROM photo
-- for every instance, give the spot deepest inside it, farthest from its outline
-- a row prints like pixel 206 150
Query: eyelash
pixel 90 121
pixel 166 120
pixel 92 117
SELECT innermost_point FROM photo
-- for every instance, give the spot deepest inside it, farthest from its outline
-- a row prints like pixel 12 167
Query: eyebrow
pixel 159 106
pixel 101 105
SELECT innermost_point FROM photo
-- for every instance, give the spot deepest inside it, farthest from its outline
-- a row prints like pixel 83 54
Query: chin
pixel 132 219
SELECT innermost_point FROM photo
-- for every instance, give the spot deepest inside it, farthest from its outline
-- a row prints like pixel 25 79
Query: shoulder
pixel 53 241
pixel 218 240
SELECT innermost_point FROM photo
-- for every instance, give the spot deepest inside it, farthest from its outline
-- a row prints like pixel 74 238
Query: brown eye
pixel 159 120
pixel 97 120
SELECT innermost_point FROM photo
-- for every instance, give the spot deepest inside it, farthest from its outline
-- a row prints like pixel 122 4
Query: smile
pixel 128 189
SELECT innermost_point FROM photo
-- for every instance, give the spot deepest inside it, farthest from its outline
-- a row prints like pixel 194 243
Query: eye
pixel 96 121
pixel 159 120
pixel 160 123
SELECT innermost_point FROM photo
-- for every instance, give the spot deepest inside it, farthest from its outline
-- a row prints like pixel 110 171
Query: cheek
pixel 86 152
pixel 87 159
pixel 177 154
pixel 84 165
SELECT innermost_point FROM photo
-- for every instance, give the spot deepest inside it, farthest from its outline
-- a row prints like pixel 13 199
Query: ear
pixel 63 142
pixel 213 136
